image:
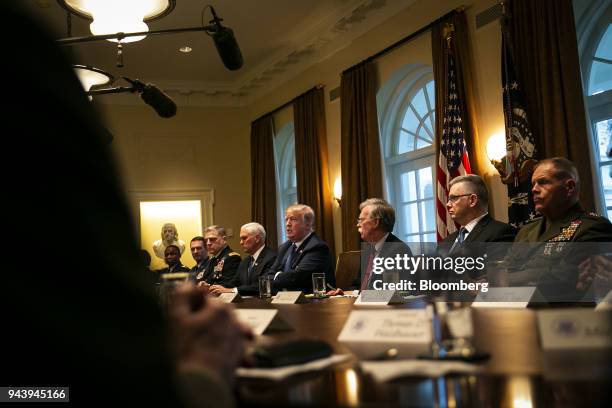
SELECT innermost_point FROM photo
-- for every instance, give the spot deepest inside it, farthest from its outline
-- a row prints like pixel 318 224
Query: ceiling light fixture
pixel 223 37
pixel 119 16
pixel 90 76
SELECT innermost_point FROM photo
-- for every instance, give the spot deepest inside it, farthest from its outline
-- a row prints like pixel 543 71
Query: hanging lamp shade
pixel 119 16
pixel 90 76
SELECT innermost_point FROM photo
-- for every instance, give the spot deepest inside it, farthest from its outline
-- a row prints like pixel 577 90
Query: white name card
pixel 393 326
pixel 514 298
pixel 378 298
pixel 288 297
pixel 575 329
pixel 230 297
pixel 605 303
pixel 260 320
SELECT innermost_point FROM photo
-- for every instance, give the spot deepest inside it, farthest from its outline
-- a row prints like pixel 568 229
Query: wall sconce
pixel 498 155
pixel 338 190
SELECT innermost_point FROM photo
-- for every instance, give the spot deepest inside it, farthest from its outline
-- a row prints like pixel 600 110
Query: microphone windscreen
pixel 154 97
pixel 227 47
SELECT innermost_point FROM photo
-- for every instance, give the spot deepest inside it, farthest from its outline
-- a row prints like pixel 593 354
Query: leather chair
pixel 347 268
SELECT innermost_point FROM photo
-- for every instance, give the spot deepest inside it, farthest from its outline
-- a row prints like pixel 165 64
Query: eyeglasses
pixel 453 198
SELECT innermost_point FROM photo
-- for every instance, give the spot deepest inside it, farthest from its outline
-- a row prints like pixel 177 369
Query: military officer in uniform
pixel 223 263
pixel 544 253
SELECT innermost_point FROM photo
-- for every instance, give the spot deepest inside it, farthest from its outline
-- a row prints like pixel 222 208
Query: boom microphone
pixel 158 100
pixel 155 98
pixel 226 44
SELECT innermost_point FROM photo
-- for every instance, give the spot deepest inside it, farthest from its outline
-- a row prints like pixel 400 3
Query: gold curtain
pixel 465 83
pixel 263 179
pixel 542 37
pixel 360 145
pixel 311 161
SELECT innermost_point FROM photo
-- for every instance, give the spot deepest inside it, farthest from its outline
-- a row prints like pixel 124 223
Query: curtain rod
pixel 284 105
pixel 406 39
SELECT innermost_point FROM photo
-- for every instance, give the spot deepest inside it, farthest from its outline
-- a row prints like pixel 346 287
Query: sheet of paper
pixel 279 373
pixel 388 370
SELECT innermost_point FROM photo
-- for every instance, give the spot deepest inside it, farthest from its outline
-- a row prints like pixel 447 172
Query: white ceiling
pixel 278 40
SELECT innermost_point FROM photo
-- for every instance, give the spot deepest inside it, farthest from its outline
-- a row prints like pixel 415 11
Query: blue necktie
pixel 289 259
pixel 250 267
pixel 461 236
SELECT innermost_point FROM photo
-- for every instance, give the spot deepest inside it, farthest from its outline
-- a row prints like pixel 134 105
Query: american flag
pixel 453 160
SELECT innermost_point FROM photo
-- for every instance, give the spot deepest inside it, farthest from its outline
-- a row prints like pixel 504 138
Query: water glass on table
pixel 169 283
pixel 319 287
pixel 265 287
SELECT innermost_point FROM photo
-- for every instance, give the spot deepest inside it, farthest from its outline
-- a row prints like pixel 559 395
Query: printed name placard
pixel 565 329
pixel 605 303
pixel 515 297
pixel 261 320
pixel 394 326
pixel 230 297
pixel 288 297
pixel 378 298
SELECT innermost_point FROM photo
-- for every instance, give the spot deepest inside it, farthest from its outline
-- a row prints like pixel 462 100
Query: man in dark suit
pixel 375 223
pixel 200 255
pixel 259 261
pixel 172 256
pixel 468 202
pixel 303 254
pixel 478 233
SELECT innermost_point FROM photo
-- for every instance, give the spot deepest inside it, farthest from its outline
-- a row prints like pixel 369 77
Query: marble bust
pixel 169 236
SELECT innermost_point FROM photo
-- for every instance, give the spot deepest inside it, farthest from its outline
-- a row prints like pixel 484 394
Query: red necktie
pixel 366 278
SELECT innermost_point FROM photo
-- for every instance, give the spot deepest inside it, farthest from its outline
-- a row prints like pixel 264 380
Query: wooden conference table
pixel 518 374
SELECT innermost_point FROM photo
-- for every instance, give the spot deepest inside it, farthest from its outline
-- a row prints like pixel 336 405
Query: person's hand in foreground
pixel 218 289
pixel 206 334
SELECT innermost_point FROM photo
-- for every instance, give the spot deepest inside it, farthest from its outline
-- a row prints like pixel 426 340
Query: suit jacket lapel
pixel 478 228
pixel 300 251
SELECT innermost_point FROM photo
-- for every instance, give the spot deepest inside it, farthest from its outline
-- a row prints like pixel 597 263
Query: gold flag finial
pixel 447 32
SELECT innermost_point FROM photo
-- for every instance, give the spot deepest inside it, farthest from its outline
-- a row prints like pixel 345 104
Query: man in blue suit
pixel 303 254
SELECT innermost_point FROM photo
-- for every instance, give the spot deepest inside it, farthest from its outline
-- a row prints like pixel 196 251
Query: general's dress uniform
pixel 222 268
pixel 548 254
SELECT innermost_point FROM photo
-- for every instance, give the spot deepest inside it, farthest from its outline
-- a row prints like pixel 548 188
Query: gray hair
pixel 478 185
pixel 381 210
pixel 565 168
pixel 306 211
pixel 216 228
pixel 256 229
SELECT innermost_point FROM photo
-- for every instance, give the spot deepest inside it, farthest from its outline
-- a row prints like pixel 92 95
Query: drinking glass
pixel 265 287
pixel 318 285
pixel 169 283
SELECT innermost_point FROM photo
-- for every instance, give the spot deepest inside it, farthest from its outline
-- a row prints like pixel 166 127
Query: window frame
pixel 284 152
pixel 394 99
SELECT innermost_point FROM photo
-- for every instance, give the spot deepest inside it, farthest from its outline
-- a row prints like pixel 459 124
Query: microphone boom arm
pixel 211 28
pixel 118 89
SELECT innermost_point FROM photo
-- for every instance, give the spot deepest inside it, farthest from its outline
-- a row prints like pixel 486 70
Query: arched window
pixel 595 44
pixel 407 107
pixel 284 149
pixel 600 111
